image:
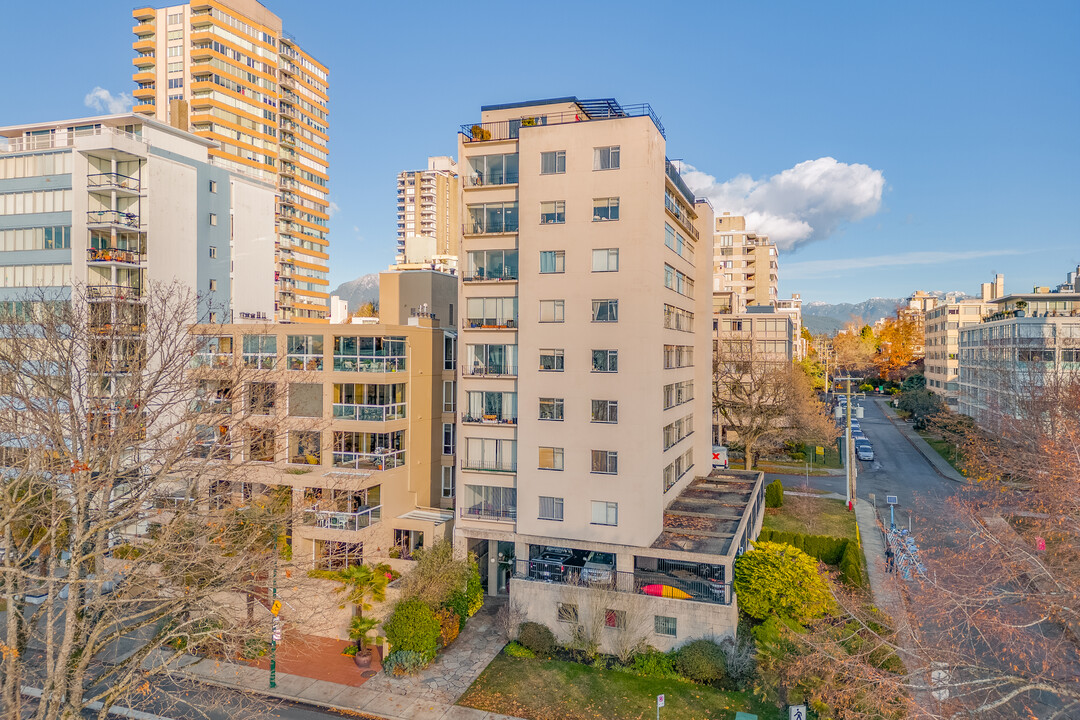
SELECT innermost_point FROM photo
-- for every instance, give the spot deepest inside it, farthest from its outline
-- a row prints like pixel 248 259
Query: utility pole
pixel 849 464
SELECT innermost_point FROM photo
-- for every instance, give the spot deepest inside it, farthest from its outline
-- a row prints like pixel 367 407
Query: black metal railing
pixel 128 257
pixel 482 276
pixel 511 129
pixel 112 217
pixel 491 178
pixel 485 511
pixel 489 465
pixel 489 419
pixel 638 582
pixel 112 180
pixel 490 369
pixel 677 180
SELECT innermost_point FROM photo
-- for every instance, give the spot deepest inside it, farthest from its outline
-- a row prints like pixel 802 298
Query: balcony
pixel 111 218
pixel 489 419
pixel 503 466
pixel 144 29
pixel 480 275
pixel 477 180
pixel 143 45
pixel 606 109
pixel 486 511
pixel 490 370
pixel 369 413
pixel 331 520
pixel 352 363
pixel 114 181
pixel 113 292
pixel 681 584
pixel 677 181
pixel 144 60
pixel 378 460
pixel 489 323
pixel 113 256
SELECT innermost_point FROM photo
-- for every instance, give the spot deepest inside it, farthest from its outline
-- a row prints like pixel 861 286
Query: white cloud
pixel 799 205
pixel 825 268
pixel 102 100
pixel 334 208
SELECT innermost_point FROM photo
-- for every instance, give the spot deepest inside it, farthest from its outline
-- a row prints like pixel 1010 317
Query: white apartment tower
pixel 585 333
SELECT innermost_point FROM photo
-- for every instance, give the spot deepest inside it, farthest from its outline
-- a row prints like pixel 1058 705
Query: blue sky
pixel 952 128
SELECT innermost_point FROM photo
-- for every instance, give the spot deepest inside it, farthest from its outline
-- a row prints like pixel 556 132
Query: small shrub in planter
pixel 405 662
pixel 653 664
pixel 774 494
pixel 515 649
pixel 449 626
pixel 701 661
pixel 413 627
pixel 537 637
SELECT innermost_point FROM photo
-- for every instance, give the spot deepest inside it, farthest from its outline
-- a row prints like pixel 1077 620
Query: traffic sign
pixel 891 499
pixel 819 450
pixel 659 701
pixel 275 608
pixel 796 712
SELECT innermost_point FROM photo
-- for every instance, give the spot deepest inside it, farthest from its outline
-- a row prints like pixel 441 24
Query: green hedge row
pixel 839 552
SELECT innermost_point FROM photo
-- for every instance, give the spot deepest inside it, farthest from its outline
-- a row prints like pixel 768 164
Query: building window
pixel 551 458
pixel 605 361
pixel 606 158
pixel 448 392
pixel 448 481
pixel 448 439
pixel 449 352
pixel 551 408
pixel 213 186
pixel 213 218
pixel 175 18
pixel 213 285
pixel 566 612
pixel 261 398
pixel 605 411
pixel 493 218
pixel 553 162
pixel 551 508
pixel 213 252
pixel 552 261
pixel 551 311
pixel 552 212
pixel 605 311
pixel 615 619
pixel 605 461
pixel 213 318
pixel 605 209
pixel 605 513
pixel 176 83
pixel 605 260
pixel 664 625
pixel 551 360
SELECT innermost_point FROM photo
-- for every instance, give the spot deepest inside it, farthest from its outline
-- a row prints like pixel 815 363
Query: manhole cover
pixel 369 673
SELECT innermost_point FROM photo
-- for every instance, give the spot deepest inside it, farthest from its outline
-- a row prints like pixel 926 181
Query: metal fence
pixel 639 582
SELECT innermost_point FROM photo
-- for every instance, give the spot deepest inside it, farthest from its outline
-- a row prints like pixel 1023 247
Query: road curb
pixel 933 465
pixel 282 696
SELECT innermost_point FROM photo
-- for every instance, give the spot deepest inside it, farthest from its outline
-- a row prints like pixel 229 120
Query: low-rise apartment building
pixel 941 338
pixel 351 417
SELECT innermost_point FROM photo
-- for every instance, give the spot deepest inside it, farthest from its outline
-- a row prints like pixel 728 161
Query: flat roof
pixel 17 131
pixel 706 515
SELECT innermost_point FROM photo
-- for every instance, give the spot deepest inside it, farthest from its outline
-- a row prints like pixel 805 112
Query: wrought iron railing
pixel 112 217
pixel 511 129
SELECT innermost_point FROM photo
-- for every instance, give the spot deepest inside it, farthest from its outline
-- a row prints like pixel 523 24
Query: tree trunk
pixel 749 459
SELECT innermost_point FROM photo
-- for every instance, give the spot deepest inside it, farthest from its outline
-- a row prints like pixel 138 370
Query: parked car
pixel 599 567
pixel 858 435
pixel 864 452
pixel 554 564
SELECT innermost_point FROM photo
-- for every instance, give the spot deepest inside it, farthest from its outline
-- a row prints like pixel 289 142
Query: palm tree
pixel 362 586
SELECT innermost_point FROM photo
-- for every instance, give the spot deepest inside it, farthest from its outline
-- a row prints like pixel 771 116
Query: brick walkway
pixel 316 657
pixel 455 669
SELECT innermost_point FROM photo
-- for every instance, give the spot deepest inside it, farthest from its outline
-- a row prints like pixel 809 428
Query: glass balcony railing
pixel 354 363
pixel 385 460
pixel 333 520
pixel 370 413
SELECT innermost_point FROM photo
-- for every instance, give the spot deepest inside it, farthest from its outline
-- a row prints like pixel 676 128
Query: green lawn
pixel 556 690
pixel 945 450
pixel 811 516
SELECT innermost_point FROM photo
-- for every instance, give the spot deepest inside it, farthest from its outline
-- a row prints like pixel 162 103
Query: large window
pixel 551 408
pixel 305 352
pixel 677 431
pixel 551 359
pixel 606 158
pixel 679 282
pixel 553 162
pixel 492 265
pixel 605 361
pixel 493 218
pixel 552 261
pixel 605 311
pixel 605 411
pixel 605 209
pixel 605 461
pixel 605 513
pixel 305 447
pixel 552 311
pixel 552 212
pixel 490 454
pixel 370 354
pixel 260 351
pixel 675 318
pixel 678 393
pixel 551 508
pixel 677 243
pixel 261 398
pixel 490 360
pixel 493 170
pixel 491 312
pixel 489 503
pixel 678 356
pixel 551 458
pixel 494 407
pixel 370 401
pixel 605 260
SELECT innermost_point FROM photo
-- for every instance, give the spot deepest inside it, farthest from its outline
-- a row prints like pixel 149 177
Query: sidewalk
pixel 428 696
pixel 940 465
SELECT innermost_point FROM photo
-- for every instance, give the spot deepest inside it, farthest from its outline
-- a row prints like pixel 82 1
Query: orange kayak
pixel 665 591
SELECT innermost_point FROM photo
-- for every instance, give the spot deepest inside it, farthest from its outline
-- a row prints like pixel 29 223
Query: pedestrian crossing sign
pixel 275 608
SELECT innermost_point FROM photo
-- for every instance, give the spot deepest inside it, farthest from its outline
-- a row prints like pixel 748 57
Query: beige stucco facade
pixel 428 220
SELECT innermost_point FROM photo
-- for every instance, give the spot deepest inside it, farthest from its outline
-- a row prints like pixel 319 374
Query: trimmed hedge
pixel 414 627
pixel 774 494
pixel 701 661
pixel 537 638
pixel 838 552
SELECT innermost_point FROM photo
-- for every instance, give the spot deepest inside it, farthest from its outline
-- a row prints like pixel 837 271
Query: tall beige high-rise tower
pixel 225 70
pixel 428 224
pixel 745 264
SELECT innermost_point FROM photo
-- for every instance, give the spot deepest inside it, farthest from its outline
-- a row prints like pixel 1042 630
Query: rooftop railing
pixel 511 129
pixel 676 179
pixel 64 138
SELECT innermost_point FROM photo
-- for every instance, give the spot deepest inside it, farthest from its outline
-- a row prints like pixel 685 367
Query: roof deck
pixel 714 515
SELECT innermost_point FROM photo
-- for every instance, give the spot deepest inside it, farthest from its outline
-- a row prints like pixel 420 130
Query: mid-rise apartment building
pixel 585 310
pixel 118 202
pixel 1027 340
pixel 350 416
pixel 226 70
pixel 746 264
pixel 913 310
pixel 941 333
pixel 428 207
